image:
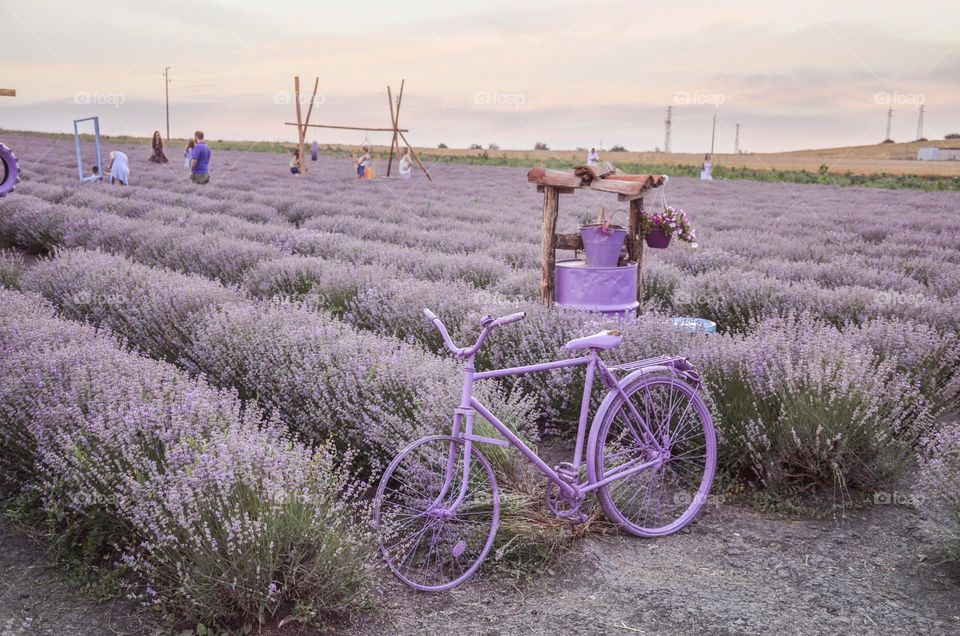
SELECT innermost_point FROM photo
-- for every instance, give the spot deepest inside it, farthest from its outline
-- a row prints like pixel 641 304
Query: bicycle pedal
pixel 567 472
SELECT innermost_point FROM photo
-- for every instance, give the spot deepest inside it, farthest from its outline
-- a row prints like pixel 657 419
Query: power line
pixel 889 123
pixel 920 123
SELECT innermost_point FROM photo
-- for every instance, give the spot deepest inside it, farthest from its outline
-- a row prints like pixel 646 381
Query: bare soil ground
pixel 35 598
pixel 732 572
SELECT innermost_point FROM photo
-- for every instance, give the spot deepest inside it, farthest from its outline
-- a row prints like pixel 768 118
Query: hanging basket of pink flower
pixel 659 228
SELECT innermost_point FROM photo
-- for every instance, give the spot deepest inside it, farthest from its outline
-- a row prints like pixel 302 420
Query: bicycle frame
pixel 470 405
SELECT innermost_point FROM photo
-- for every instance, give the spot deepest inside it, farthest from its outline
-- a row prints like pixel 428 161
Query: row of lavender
pixel 367 395
pixel 219 513
pixel 799 402
pixel 769 248
pixel 747 273
pixel 385 294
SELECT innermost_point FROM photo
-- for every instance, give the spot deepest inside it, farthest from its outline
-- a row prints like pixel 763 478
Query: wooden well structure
pixel 601 177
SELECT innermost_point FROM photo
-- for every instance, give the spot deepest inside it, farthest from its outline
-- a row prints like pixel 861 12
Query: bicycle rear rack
pixel 678 364
pixel 656 361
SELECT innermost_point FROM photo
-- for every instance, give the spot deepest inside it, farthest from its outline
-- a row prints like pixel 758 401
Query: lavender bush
pixel 939 485
pixel 219 514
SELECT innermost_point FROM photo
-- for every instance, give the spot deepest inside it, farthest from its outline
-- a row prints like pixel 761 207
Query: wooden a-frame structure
pixel 303 124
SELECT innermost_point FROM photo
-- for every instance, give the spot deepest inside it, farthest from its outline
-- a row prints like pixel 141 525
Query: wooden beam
pixel 301 131
pixel 8 92
pixel 395 119
pixel 635 247
pixel 555 178
pixel 568 241
pixel 414 155
pixel 548 255
pixel 619 186
pixel 364 128
pixel 559 190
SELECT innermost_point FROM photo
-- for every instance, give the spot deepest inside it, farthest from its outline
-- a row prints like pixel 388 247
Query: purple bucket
pixel 658 239
pixel 602 247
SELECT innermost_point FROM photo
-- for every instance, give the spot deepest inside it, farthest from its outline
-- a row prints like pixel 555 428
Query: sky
pixel 794 75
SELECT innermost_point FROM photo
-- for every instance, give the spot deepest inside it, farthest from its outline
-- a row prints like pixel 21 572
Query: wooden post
pixel 300 127
pixel 395 120
pixel 548 254
pixel 306 123
pixel 635 247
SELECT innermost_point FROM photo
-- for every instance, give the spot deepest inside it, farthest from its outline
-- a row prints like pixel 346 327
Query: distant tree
pixel 493 147
pixel 952 136
pixel 540 146
pixel 617 148
pixel 476 147
pixel 888 141
pixel 581 149
pixel 442 146
pixel 923 139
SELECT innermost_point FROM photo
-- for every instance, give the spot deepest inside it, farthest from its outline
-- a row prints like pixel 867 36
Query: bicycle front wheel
pixel 431 537
pixel 665 497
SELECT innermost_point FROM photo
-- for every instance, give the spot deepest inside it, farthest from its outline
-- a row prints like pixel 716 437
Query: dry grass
pixel 899 158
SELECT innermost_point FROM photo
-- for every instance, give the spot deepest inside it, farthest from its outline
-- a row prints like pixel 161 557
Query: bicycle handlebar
pixel 488 322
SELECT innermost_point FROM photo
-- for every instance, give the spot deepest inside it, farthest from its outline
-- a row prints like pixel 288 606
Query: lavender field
pixel 201 382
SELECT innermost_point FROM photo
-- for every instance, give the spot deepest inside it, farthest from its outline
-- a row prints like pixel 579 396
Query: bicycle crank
pixel 562 505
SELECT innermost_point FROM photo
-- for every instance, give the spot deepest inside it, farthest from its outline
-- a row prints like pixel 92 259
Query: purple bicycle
pixel 650 456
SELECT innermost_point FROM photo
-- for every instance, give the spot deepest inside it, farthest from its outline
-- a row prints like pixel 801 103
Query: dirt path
pixel 735 572
pixel 34 599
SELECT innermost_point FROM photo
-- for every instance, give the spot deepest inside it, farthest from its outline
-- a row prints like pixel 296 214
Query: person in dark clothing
pixel 158 156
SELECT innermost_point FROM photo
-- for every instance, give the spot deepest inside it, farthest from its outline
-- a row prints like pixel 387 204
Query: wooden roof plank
pixel 554 178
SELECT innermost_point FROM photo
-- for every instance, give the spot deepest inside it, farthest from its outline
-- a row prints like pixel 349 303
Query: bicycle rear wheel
pixel 664 498
pixel 426 541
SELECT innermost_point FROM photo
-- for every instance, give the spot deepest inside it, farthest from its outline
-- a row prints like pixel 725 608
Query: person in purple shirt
pixel 200 160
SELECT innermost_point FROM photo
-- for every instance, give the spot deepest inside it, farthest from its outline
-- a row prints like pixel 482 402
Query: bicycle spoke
pixel 662 498
pixel 434 542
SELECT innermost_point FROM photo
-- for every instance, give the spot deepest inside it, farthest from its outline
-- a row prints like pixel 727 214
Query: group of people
pixel 196 159
pixel 362 162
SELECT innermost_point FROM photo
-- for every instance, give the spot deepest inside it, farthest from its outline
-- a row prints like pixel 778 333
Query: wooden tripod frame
pixel 302 125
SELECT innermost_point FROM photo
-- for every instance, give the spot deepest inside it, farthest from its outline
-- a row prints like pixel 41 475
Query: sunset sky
pixel 797 74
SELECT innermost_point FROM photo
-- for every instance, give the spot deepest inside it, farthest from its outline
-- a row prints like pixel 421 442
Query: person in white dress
pixel 406 165
pixel 593 156
pixel 706 170
pixel 119 168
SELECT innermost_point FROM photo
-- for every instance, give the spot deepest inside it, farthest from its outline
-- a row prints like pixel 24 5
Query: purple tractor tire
pixel 10 171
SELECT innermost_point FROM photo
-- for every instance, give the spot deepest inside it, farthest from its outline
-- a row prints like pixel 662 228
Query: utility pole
pixel 166 83
pixel 920 123
pixel 713 134
pixel 736 141
pixel 666 125
pixel 889 122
